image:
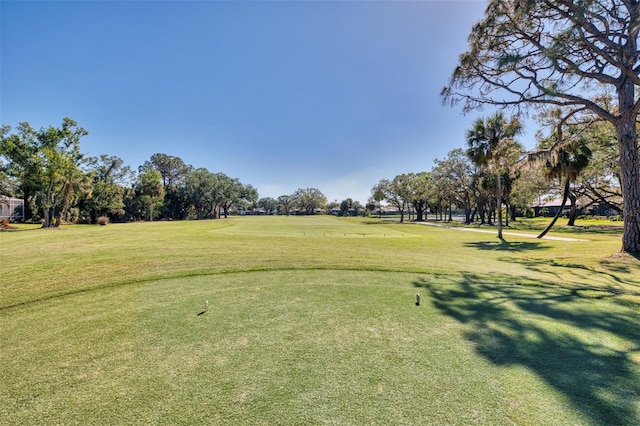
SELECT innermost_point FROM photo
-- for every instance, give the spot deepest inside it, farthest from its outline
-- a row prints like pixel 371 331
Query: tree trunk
pixel 499 197
pixel 557 215
pixel 573 212
pixel 629 170
pixel 490 211
pixel 64 206
pixel 507 207
pixel 48 214
pixel 26 199
pixel 467 212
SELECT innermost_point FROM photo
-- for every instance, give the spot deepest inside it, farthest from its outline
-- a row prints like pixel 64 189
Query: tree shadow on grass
pixel 502 244
pixel 609 276
pixel 585 348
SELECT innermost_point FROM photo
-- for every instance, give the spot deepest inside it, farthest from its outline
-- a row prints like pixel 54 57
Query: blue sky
pixel 280 94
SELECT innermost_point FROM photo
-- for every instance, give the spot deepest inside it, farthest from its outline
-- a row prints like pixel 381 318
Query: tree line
pixel 494 171
pixel 59 184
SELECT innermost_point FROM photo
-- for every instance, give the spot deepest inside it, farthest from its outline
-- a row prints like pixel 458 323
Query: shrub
pixel 72 215
pixel 102 220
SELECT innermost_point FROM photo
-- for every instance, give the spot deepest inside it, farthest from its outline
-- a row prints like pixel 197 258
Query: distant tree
pixel 381 190
pixel 269 204
pixel 333 206
pixel 76 185
pixel 172 169
pixel 378 195
pixel 371 206
pixel 309 200
pixel 203 192
pixel 233 193
pixel 285 203
pixel 109 176
pixel 345 206
pixel 483 186
pixel 248 196
pixel 395 192
pixel 562 53
pixel 150 190
pixel 491 145
pixel 418 190
pixel 453 179
pixel 530 187
pixel 484 190
pixel 357 207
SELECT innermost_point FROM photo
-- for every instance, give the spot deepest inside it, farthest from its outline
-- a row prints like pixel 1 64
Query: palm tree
pixel 492 147
pixel 564 161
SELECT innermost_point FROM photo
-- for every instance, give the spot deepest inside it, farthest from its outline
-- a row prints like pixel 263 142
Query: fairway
pixel 307 326
pixel 310 226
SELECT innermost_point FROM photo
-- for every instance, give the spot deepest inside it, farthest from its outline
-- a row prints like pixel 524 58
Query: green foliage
pixel 150 190
pixel 285 204
pixel 452 182
pixel 269 204
pixel 172 169
pixel 47 163
pixel 110 178
pixel 309 200
pixel 581 56
pixel 493 149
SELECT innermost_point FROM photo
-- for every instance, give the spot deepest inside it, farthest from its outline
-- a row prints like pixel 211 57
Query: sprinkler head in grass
pixel 417 300
pixel 206 305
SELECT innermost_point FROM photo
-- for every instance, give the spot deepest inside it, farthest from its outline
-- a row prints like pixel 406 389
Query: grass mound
pixel 290 347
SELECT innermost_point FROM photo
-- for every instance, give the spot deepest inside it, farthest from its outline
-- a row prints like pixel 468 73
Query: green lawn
pixel 312 320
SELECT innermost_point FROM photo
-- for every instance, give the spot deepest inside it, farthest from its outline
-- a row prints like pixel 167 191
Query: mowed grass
pixel 313 321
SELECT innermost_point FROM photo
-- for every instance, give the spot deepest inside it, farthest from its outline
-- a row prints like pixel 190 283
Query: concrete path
pixel 515 234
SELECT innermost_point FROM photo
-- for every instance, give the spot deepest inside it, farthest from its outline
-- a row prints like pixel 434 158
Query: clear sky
pixel 283 95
